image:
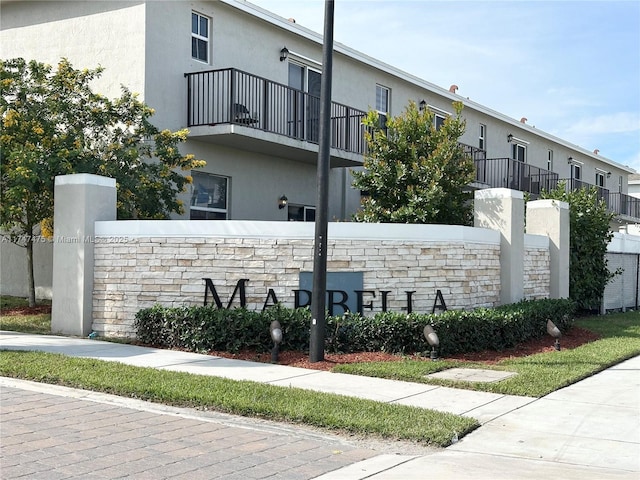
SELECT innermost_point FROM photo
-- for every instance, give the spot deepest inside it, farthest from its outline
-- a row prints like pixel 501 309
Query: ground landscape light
pixel 275 330
pixel 432 340
pixel 554 332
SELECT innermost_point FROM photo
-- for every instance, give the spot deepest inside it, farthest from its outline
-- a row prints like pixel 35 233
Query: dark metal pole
pixel 318 319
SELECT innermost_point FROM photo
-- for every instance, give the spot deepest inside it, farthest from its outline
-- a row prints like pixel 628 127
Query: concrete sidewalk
pixel 588 430
pixel 482 406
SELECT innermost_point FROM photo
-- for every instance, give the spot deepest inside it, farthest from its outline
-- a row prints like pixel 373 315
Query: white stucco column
pixel 80 200
pixel 551 218
pixel 502 209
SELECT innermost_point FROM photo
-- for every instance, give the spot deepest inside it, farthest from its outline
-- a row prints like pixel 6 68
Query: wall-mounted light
pixel 432 340
pixel 555 333
pixel 282 202
pixel 570 160
pixel 509 138
pixel 422 105
pixel 608 174
pixel 284 53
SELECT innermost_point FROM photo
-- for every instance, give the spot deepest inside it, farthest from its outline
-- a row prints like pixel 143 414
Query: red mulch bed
pixel 573 338
pixel 37 310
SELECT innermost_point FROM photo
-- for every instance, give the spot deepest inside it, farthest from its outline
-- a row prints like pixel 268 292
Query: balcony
pixel 513 174
pixel 242 110
pixel 625 207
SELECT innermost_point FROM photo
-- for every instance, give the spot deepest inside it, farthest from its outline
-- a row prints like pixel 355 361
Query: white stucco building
pixel 246 84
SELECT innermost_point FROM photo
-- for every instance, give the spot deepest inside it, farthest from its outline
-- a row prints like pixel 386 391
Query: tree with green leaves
pixel 589 236
pixel 53 123
pixel 415 172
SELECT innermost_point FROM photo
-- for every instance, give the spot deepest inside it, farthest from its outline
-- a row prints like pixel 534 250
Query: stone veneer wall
pixel 537 272
pixel 139 264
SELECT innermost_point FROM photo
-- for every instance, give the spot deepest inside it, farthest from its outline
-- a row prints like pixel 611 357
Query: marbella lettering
pixel 302 298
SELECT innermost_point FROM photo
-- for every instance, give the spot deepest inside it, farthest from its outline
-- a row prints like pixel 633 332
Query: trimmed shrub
pixel 210 328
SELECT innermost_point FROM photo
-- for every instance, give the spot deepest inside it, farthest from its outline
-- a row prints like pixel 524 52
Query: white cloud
pixel 621 122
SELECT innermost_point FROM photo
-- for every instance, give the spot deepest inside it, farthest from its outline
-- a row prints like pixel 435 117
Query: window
pixel 482 136
pixel 199 37
pixel 519 152
pixel 382 104
pixel 209 197
pixel 439 116
pixel 600 179
pixel 620 184
pixel 303 111
pixel 576 171
pixel 550 160
pixel 301 213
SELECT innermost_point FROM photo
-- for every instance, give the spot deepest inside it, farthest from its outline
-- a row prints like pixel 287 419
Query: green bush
pixel 210 328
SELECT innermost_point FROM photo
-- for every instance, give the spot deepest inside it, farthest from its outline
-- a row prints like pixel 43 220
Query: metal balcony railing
pixel 231 96
pixel 623 204
pixel 617 203
pixel 509 173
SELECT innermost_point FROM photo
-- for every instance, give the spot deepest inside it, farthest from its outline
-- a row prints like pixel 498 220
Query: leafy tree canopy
pixel 54 124
pixel 415 172
pixel 589 220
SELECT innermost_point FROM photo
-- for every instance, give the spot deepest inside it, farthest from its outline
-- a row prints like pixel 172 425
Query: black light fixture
pixel 509 138
pixel 282 202
pixel 422 105
pixel 284 53
pixel 275 330
pixel 570 160
pixel 555 333
pixel 608 174
pixel 432 340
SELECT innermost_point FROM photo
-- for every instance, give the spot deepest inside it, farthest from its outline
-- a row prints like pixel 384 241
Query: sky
pixel 572 68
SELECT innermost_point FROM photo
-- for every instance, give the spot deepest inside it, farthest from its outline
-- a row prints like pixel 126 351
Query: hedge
pixel 206 328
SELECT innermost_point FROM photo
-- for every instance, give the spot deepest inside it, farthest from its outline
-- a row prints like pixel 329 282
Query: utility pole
pixel 318 298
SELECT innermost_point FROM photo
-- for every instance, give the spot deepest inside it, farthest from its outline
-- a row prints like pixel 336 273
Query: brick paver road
pixel 53 436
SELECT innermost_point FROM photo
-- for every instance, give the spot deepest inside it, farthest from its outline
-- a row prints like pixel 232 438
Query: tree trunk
pixel 30 276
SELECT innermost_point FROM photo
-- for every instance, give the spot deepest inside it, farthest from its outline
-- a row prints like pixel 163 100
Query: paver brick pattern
pixel 47 436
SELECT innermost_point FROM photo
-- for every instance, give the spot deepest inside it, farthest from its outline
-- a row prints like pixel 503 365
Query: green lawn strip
pixel 40 324
pixel 538 374
pixel 334 412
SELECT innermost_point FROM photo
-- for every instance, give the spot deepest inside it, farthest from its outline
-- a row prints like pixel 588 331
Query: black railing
pixel 231 96
pixel 617 203
pixel 509 173
pixel 474 153
pixel 623 204
pixel 575 184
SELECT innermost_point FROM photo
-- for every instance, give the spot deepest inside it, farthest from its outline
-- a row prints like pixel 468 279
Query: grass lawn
pixel 538 374
pixel 333 412
pixel 37 323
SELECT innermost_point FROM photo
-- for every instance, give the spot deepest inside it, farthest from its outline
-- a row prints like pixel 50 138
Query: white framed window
pixel 620 184
pixel 200 37
pixel 438 120
pixel 600 179
pixel 209 197
pixel 576 171
pixel 303 111
pixel 482 136
pixel 383 95
pixel 550 160
pixel 519 152
pixel 301 213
